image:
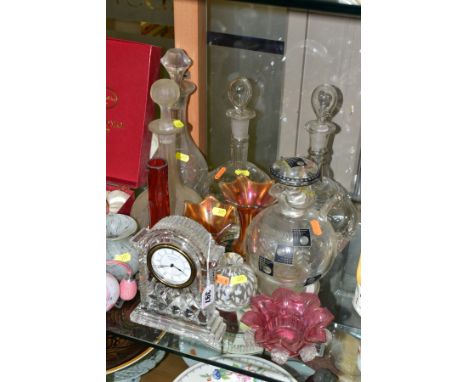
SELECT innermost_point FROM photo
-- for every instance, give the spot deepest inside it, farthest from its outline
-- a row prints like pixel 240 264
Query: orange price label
pixel 316 227
pixel 220 279
pixel 220 173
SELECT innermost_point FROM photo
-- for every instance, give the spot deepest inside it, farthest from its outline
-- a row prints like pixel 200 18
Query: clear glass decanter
pixel 343 216
pixel 239 93
pixel 165 93
pixel 192 164
pixel 291 244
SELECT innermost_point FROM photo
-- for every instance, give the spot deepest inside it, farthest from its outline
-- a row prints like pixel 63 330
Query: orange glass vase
pixel 250 198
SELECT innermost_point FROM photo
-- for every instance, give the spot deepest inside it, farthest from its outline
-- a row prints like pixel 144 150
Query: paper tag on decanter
pixel 208 296
pixel 301 237
pixel 242 172
pixel 183 157
pixel 284 254
pixel 123 257
pixel 265 265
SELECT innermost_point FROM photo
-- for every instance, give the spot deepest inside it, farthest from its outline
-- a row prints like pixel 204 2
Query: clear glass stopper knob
pixel 165 93
pixel 326 101
pixel 240 93
pixel 176 62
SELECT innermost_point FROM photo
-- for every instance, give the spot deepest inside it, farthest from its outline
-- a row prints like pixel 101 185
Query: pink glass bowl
pixel 288 322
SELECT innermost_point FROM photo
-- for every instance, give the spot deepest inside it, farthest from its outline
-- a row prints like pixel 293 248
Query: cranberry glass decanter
pixel 192 164
pixel 239 93
pixel 291 244
pixel 326 101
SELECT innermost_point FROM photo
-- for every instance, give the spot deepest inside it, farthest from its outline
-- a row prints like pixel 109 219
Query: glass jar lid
pixel 295 171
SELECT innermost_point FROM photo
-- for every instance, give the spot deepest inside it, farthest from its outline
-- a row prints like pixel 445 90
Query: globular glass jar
pixel 192 164
pixel 343 215
pixel 291 244
pixel 119 231
pixel 239 93
pixel 235 283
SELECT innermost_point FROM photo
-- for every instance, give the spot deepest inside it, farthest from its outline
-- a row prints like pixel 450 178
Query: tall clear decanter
pixel 291 244
pixel 239 93
pixel 165 93
pixel 192 164
pixel 343 215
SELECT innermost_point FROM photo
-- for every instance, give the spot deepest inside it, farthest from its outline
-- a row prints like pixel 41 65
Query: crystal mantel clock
pixel 177 258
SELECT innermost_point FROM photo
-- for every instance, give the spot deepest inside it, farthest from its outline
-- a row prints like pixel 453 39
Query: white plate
pixel 195 348
pixel 202 372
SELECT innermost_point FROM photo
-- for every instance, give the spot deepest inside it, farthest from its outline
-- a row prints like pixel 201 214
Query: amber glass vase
pixel 250 198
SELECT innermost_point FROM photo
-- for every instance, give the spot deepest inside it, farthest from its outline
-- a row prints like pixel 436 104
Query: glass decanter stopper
pixel 239 93
pixel 291 244
pixel 192 164
pixel 326 101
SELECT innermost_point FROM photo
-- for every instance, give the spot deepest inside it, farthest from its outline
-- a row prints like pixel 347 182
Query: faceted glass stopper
pixel 326 101
pixel 176 62
pixel 240 93
pixel 165 93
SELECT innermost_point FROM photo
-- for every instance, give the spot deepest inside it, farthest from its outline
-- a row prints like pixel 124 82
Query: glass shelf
pixel 118 323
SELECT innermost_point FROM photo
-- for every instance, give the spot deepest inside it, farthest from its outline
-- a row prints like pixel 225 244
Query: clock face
pixel 171 266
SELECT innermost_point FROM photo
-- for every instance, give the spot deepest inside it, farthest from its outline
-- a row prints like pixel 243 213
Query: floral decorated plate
pixel 202 372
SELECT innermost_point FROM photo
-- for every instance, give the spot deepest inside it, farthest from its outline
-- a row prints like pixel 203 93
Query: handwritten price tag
pixel 207 296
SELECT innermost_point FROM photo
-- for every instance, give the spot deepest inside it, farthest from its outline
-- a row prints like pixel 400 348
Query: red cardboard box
pixel 132 68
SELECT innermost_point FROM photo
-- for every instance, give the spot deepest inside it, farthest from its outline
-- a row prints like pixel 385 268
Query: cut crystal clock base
pixel 210 335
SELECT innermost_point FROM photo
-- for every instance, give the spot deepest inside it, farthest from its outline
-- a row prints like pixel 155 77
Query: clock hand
pixel 173 266
pixel 180 270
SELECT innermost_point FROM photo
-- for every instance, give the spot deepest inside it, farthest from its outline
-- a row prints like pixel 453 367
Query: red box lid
pixel 132 68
